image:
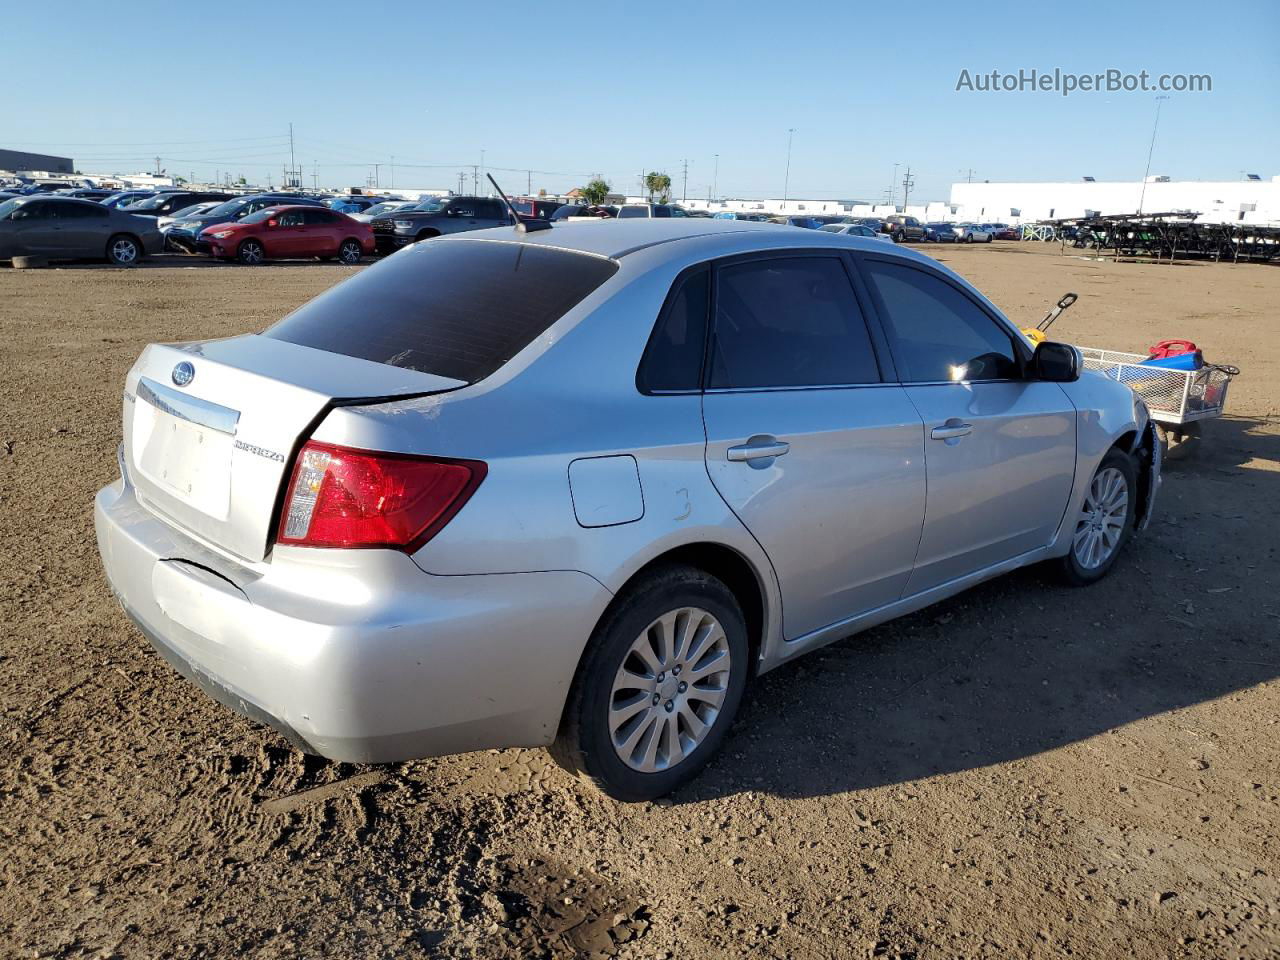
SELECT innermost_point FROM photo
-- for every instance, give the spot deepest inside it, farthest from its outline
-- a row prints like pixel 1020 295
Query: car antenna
pixel 523 225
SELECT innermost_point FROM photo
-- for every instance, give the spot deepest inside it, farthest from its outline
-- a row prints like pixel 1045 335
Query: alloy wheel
pixel 1102 520
pixel 669 689
pixel 124 251
pixel 251 252
pixel 350 252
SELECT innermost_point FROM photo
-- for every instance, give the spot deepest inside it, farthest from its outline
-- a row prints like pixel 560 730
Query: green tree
pixel 659 185
pixel 596 192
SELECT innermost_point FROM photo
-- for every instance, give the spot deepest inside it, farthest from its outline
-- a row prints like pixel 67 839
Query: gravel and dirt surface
pixel 1023 771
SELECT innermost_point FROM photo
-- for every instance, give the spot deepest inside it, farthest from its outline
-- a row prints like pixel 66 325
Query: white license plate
pixel 189 461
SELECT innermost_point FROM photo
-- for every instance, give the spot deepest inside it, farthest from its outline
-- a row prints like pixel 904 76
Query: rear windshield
pixel 454 308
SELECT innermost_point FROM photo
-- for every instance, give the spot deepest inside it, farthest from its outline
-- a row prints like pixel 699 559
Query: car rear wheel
pixel 124 250
pixel 251 252
pixel 350 251
pixel 1105 521
pixel 658 686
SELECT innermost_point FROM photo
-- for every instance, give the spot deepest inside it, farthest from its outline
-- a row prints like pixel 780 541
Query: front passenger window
pixel 937 333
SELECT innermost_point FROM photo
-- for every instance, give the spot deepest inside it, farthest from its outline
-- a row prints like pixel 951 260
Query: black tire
pixel 426 235
pixel 1072 569
pixel 584 745
pixel 251 252
pixel 350 251
pixel 124 250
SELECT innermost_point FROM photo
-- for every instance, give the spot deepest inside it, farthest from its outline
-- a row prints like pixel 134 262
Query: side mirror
pixel 1056 363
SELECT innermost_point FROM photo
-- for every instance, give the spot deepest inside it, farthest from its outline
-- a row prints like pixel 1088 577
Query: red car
pixel 289 232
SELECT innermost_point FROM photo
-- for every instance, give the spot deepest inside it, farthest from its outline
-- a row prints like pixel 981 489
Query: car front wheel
pixel 1105 521
pixel 251 252
pixel 658 686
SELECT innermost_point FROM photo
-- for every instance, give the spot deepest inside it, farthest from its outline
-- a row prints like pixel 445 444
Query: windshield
pixel 8 207
pixel 151 203
pixel 378 208
pixel 188 211
pixel 228 209
pixel 432 204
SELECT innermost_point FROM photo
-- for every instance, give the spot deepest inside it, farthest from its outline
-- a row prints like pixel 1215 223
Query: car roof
pixel 619 238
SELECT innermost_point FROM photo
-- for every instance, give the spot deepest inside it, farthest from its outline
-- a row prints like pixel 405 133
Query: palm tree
pixel 660 184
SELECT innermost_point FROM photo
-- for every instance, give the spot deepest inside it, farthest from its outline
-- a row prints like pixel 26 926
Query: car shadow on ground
pixel 1021 665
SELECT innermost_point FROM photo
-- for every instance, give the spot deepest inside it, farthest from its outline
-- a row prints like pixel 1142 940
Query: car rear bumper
pixel 357 655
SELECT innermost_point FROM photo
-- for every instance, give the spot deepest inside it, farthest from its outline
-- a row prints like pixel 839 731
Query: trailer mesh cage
pixel 1174 397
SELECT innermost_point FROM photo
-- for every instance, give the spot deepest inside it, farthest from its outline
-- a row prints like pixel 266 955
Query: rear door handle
pixel 757 449
pixel 951 430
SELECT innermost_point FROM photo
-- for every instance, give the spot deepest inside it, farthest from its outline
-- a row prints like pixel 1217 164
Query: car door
pixel 37 231
pixel 461 214
pixel 814 448
pixel 85 228
pixel 290 236
pixel 493 213
pixel 1000 449
pixel 322 229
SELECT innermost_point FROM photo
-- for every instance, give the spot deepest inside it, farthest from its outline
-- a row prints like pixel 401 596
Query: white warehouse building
pixel 1252 201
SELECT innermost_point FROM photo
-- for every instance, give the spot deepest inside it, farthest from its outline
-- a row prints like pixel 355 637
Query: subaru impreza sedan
pixel 578 487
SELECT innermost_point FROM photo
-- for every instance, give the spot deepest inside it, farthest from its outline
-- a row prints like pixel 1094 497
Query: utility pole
pixel 157 166
pixel 528 188
pixel 893 184
pixel 907 184
pixel 293 169
pixel 969 176
pixel 481 174
pixel 377 182
pixel 684 191
pixel 462 181
pixel 475 179
pixel 786 179
pixel 315 177
pixel 1154 127
pixel 715 177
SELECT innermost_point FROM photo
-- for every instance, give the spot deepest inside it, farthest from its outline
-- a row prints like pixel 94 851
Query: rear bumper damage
pixel 355 655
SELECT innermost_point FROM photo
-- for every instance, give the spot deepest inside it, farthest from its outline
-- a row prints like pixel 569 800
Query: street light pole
pixel 893 184
pixel 1154 127
pixel 715 178
pixel 786 180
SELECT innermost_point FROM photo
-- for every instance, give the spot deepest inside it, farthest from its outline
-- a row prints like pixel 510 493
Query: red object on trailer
pixel 1171 348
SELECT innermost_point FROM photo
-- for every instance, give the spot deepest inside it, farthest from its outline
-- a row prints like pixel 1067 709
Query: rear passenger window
pixel 938 333
pixel 791 322
pixel 456 308
pixel 673 359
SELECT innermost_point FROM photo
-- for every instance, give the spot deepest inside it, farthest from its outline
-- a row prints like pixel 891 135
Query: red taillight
pixel 340 497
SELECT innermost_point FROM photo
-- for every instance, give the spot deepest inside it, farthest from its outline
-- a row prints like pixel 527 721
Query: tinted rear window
pixel 455 308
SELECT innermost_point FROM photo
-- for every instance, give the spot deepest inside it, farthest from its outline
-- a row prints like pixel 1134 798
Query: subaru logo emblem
pixel 183 373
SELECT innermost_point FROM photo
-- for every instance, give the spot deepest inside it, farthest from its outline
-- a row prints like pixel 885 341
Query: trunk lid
pixel 211 429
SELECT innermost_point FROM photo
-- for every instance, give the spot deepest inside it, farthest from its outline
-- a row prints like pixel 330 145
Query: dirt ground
pixel 1023 771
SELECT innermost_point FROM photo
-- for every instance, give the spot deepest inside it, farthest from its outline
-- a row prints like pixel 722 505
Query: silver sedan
pixel 577 487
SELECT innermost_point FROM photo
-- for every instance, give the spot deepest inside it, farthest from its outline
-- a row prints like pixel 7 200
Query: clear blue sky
pixel 579 88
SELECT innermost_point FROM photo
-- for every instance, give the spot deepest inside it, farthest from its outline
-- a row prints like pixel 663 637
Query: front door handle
pixel 952 430
pixel 758 448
